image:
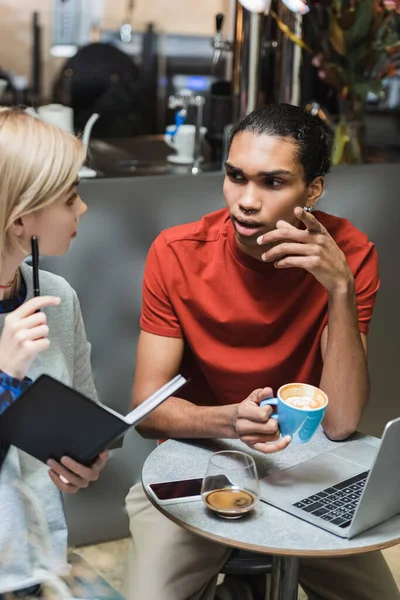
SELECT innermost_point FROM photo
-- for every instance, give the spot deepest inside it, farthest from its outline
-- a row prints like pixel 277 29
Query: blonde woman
pixel 39 166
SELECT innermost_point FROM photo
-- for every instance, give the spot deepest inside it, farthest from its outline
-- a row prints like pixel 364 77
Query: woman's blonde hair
pixel 38 163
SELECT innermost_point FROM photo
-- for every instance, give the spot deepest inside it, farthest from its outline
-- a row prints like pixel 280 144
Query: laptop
pixel 345 491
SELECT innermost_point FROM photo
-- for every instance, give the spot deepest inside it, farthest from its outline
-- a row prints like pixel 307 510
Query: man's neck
pixel 255 252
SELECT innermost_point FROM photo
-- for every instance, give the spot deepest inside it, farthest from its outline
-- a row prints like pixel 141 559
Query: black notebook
pixel 51 420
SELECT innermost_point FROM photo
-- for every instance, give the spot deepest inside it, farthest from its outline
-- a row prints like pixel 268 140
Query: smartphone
pixel 170 492
pixel 183 490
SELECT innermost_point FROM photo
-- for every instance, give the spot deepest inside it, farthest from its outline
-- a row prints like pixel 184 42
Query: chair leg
pixel 269 587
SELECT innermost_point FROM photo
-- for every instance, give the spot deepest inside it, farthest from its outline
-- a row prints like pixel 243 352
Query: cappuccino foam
pixel 305 402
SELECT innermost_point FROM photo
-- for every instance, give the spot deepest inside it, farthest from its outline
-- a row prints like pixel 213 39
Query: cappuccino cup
pixel 300 410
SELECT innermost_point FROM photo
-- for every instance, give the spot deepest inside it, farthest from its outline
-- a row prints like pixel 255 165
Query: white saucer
pixel 181 160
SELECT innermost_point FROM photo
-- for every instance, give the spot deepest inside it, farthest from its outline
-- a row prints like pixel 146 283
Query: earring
pixel 309 209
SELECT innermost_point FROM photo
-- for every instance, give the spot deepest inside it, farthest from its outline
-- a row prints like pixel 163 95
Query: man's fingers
pixel 285 232
pixel 251 410
pixel 309 263
pixel 308 219
pixel 261 394
pixel 255 438
pixel 254 414
pixel 250 428
pixel 290 249
pixel 268 448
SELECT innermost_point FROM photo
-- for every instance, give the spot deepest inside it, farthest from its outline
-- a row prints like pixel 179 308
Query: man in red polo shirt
pixel 259 294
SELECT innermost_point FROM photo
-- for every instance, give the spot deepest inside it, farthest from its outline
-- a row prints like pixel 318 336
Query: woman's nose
pixel 82 208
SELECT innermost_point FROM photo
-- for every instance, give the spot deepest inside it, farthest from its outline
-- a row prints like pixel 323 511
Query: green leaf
pixel 340 140
pixel 336 36
pixel 362 24
pixel 352 152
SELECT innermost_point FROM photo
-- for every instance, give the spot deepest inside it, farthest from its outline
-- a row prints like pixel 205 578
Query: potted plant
pixel 352 43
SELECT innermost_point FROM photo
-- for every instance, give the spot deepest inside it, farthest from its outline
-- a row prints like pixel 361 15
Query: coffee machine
pixel 266 66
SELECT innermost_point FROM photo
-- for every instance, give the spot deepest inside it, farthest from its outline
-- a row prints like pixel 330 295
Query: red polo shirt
pixel 246 324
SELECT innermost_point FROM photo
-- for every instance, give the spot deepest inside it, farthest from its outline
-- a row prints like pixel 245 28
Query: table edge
pixel 268 550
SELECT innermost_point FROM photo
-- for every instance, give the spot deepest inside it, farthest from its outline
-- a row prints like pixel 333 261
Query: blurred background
pixel 143 65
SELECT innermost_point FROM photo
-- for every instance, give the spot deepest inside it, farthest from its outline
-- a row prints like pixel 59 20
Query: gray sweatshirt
pixel 68 360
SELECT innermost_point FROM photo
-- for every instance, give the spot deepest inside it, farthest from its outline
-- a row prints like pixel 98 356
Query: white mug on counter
pixel 182 142
pixel 63 117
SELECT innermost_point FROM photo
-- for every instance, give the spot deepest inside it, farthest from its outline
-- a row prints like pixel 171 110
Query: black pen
pixel 35 265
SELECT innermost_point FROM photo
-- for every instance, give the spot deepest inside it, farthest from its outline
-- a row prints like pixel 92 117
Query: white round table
pixel 266 529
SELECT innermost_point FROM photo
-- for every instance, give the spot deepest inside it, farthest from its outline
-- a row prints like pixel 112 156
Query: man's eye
pixel 236 176
pixel 274 183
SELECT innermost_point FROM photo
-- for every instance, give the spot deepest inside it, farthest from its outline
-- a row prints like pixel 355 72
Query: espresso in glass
pixel 230 488
pixel 230 503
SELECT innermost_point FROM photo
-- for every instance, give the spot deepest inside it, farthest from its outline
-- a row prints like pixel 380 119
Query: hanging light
pixel 260 6
pixel 297 6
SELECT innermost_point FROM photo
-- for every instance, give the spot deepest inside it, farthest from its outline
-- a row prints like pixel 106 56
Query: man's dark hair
pixel 311 135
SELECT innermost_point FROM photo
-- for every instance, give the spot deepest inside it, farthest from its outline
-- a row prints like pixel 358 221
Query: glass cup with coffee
pixel 300 410
pixel 230 487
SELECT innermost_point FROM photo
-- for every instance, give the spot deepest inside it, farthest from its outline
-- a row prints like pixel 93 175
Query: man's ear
pixel 314 191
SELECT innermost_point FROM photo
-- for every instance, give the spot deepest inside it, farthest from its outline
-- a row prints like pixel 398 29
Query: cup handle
pixel 169 140
pixel 271 402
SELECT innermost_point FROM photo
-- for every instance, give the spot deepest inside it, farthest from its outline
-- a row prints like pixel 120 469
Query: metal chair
pixel 251 568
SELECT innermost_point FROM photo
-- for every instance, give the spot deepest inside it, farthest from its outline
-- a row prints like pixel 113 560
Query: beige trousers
pixel 170 563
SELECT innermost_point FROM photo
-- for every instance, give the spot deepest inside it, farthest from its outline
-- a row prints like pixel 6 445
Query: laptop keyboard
pixel 336 504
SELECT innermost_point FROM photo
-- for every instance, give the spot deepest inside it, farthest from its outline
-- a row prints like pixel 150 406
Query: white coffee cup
pixel 62 116
pixel 183 142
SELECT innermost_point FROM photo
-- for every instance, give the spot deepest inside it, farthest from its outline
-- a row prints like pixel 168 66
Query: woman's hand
pixel 24 336
pixel 312 249
pixel 70 476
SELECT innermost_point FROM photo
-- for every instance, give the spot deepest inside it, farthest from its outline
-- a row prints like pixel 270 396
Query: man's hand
pixel 70 476
pixel 312 249
pixel 254 426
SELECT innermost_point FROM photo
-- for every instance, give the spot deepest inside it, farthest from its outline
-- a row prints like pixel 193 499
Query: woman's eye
pixel 72 199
